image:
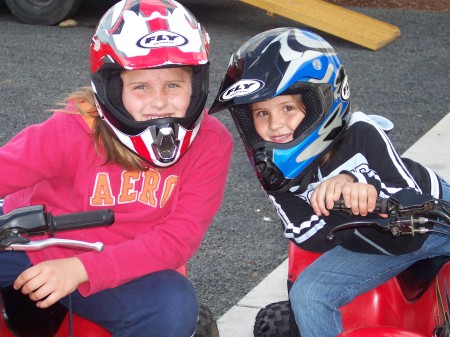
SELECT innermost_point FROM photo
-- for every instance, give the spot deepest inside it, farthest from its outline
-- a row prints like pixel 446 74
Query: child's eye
pixel 172 85
pixel 260 113
pixel 289 108
pixel 140 87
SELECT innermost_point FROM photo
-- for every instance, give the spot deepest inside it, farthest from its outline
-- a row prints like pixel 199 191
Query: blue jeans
pixel 339 275
pixel 160 304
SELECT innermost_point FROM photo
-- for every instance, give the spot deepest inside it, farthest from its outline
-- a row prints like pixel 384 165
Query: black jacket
pixel 365 152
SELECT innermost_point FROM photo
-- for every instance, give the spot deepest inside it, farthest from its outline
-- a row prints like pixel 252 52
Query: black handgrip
pixel 80 220
pixel 381 206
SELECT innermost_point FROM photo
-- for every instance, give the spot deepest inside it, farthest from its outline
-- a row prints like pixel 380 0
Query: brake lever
pixel 12 240
pixel 380 224
pixel 40 244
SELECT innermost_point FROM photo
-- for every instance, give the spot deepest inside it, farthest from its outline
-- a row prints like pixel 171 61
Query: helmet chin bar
pixel 165 146
pixel 268 173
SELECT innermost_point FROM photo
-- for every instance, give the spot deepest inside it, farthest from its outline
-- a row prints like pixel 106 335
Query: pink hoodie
pixel 161 215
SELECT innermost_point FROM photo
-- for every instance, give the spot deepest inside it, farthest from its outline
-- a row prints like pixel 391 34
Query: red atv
pixel 20 316
pixel 415 303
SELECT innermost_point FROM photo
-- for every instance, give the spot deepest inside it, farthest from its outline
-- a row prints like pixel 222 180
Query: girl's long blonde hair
pixel 114 150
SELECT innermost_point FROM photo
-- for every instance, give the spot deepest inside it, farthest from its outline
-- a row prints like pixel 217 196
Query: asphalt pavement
pixel 406 81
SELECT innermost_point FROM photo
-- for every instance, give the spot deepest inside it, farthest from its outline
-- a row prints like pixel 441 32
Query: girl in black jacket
pixel 288 94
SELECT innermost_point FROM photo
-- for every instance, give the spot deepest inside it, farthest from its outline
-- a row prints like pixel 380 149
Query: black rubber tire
pixel 43 12
pixel 206 325
pixel 273 320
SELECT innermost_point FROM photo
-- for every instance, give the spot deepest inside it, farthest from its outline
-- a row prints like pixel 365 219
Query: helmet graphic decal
pixel 303 54
pixel 345 89
pixel 320 138
pixel 132 29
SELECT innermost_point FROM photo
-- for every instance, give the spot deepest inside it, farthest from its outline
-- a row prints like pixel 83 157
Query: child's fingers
pixel 26 280
pixel 318 201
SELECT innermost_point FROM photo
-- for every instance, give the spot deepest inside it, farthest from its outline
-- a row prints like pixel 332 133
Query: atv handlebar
pixel 16 226
pixel 80 220
pixel 382 206
pixel 409 213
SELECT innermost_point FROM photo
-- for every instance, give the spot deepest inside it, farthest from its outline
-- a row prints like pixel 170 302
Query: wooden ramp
pixel 332 19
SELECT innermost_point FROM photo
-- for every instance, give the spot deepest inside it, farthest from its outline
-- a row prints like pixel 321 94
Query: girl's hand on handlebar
pixel 360 197
pixel 49 281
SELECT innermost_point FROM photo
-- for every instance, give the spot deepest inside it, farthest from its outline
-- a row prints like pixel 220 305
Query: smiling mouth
pixel 281 139
pixel 149 117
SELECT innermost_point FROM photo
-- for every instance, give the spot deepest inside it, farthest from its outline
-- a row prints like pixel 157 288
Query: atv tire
pixel 273 320
pixel 206 325
pixel 43 12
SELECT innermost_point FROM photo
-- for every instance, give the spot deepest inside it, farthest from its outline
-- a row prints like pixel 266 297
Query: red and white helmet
pixel 143 34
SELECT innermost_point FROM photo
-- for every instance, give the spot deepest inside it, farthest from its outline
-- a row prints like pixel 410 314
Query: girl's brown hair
pixel 114 150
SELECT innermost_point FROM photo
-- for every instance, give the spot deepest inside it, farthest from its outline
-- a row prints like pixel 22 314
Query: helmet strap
pixel 305 181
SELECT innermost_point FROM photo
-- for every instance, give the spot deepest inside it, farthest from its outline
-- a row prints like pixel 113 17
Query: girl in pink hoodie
pixel 139 143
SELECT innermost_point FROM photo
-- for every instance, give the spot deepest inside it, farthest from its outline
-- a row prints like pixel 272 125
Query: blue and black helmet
pixel 286 61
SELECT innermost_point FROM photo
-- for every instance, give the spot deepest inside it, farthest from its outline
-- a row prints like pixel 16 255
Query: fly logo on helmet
pixel 241 88
pixel 162 39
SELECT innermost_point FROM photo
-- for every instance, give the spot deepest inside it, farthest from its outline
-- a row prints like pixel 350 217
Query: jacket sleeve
pixel 302 226
pixel 385 169
pixel 34 154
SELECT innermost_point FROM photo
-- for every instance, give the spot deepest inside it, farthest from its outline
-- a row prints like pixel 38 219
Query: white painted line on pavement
pixel 433 149
pixel 239 320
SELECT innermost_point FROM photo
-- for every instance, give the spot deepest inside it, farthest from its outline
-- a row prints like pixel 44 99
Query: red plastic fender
pixel 380 331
